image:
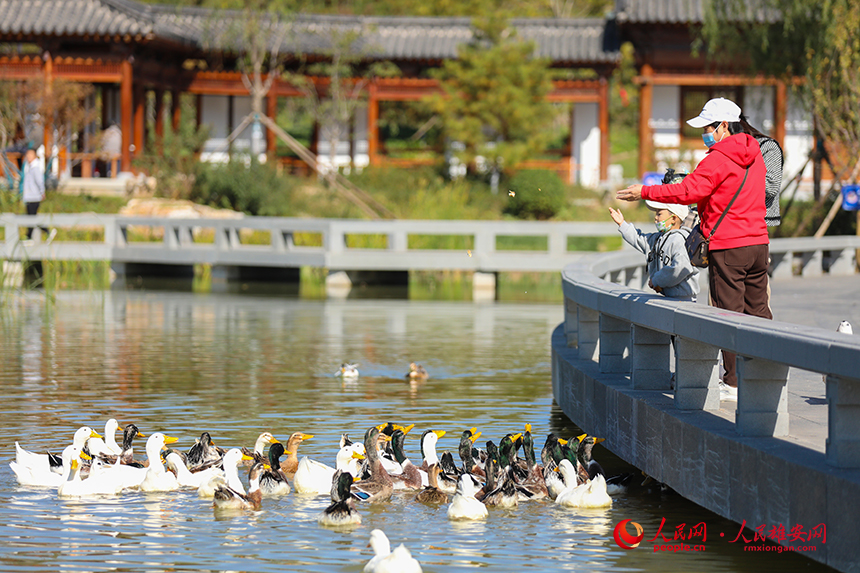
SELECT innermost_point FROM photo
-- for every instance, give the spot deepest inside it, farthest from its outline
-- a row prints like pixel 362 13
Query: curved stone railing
pixel 626 333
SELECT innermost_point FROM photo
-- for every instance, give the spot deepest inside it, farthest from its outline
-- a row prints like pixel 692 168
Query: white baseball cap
pixel 680 211
pixel 717 109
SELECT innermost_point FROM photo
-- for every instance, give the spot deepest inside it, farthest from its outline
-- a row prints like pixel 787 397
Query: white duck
pixel 591 494
pixel 386 561
pixel 188 479
pixel 464 505
pixel 229 498
pixel 98 484
pixel 40 462
pixel 157 478
pixel 44 478
pixel 315 478
pixel 348 371
pixel 230 479
pixel 108 445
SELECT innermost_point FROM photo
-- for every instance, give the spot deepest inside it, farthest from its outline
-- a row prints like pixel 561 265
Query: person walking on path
pixel 739 250
pixel 33 192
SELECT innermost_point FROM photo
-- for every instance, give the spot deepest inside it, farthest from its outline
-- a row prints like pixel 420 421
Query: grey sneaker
pixel 51 236
pixel 728 392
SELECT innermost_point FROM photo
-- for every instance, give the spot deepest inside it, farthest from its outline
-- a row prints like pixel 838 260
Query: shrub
pixel 255 189
pixel 537 194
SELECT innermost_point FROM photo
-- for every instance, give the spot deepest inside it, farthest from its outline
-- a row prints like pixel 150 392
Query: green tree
pixel 494 101
pixel 815 41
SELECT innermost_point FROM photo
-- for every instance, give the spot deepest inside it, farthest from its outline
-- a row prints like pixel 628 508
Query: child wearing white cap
pixel 670 272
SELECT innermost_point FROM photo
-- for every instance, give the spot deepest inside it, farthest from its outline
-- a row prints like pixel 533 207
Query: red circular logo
pixel 624 539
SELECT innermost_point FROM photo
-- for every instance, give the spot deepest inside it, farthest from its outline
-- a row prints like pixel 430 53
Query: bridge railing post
pixel 842 262
pixel 11 233
pixel 571 322
pixel 398 241
pixel 696 375
pixel 780 265
pixel 649 359
pixel 843 422
pixel 812 263
pixel 762 398
pixel 588 333
pixel 334 239
pixel 614 345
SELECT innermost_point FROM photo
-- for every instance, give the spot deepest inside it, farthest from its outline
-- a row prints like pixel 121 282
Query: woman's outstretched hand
pixel 632 193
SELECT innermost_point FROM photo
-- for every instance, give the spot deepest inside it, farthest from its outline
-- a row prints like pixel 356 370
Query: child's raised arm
pixel 616 215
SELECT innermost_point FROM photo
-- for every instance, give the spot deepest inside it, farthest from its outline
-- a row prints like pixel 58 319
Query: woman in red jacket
pixel 739 249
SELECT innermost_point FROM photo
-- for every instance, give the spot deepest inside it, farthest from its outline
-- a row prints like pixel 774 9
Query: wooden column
pixel 604 129
pixel 231 125
pixel 126 104
pixel 105 115
pixel 139 120
pixel 159 114
pixel 646 95
pixel 175 109
pixel 372 121
pixel 198 104
pixel 48 127
pixel 271 113
pixel 780 112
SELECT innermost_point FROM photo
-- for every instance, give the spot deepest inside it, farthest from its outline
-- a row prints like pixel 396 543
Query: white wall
pixel 664 121
pixel 585 143
pixel 758 107
pixel 798 138
pixel 215 114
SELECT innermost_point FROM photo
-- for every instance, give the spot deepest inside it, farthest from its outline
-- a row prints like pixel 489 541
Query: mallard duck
pixel 449 474
pixel 203 453
pixel 386 561
pixel 410 477
pixel 107 446
pixel 126 456
pixel 553 454
pixel 417 372
pixel 466 452
pixel 291 463
pixel 379 486
pixel 504 494
pixel 386 453
pixel 272 480
pixel 463 504
pixel 94 485
pixel 50 462
pixel 228 498
pixel 615 485
pixel 230 462
pixel 431 494
pixel 588 495
pixel 176 464
pixel 342 510
pixel 347 370
pixel 534 483
pixel 258 453
pixel 157 478
pixel 315 478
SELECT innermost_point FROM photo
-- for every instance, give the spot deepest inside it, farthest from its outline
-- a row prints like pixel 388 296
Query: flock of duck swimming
pixel 368 472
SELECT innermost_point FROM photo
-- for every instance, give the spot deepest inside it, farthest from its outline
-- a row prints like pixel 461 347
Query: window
pixel 693 99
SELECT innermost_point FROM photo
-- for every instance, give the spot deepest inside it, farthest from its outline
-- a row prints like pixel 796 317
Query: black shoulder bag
pixel 697 244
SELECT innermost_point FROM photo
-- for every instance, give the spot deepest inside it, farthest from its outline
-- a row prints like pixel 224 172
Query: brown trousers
pixel 738 281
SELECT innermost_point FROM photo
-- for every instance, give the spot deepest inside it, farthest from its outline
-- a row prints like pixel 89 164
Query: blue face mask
pixel 709 140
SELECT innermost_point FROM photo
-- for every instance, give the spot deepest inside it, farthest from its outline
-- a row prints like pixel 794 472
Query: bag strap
pixel 729 206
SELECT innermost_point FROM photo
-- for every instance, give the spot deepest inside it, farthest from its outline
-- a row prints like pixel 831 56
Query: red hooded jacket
pixel 713 184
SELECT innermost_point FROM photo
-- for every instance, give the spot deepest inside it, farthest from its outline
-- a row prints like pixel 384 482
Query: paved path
pixel 822 303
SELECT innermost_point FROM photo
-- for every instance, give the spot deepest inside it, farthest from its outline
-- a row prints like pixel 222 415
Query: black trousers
pixel 32 209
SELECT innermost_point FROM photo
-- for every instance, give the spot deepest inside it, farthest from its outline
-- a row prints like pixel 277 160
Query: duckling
pixel 228 498
pixel 257 454
pixel 431 494
pixel 291 462
pixel 588 495
pixel 417 373
pixel 342 510
pixel 203 452
pixel 272 480
pixel 464 505
pixel 348 371
pixel 379 487
pixel 410 476
pixel 386 561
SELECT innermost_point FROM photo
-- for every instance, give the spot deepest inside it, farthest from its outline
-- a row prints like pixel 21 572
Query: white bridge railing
pixel 626 331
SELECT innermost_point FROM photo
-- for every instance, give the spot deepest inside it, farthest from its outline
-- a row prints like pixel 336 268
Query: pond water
pixel 235 366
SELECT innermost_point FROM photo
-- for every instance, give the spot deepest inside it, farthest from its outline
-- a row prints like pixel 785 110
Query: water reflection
pixel 234 366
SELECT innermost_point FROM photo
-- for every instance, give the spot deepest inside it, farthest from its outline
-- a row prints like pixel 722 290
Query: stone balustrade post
pixel 762 398
pixel 843 422
pixel 780 265
pixel 649 364
pixel 812 263
pixel 696 375
pixel 614 352
pixel 571 323
pixel 588 333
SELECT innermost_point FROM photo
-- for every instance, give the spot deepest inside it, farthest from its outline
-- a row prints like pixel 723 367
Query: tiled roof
pixel 398 38
pixel 681 12
pixel 82 17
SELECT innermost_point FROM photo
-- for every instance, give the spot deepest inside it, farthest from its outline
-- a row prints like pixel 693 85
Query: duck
pixel 591 494
pixel 315 478
pixel 386 561
pixel 106 446
pixel 410 477
pixel 466 452
pixel 273 481
pixel 551 455
pixel 226 497
pixel 203 453
pixel 94 485
pixel 417 373
pixel 431 494
pixel 156 477
pixel 126 455
pixel 449 474
pixel 428 442
pixel 291 462
pixel 379 486
pixel 176 464
pixel 504 494
pixel 615 485
pixel 534 483
pixel 386 453
pixel 230 463
pixel 257 454
pixel 463 504
pixel 348 370
pixel 44 478
pixel 51 462
pixel 342 510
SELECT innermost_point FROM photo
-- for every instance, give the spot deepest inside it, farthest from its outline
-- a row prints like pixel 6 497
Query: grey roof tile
pixel 681 12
